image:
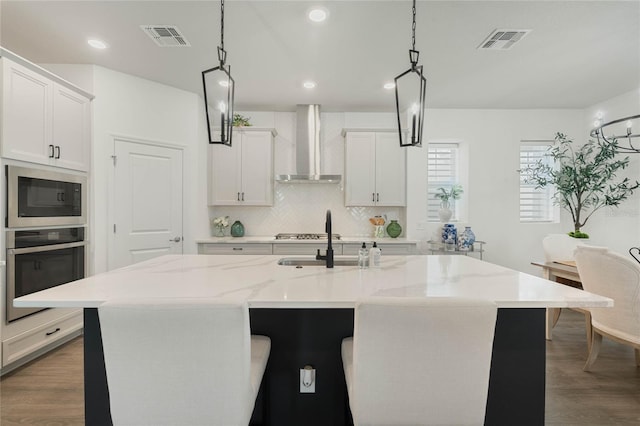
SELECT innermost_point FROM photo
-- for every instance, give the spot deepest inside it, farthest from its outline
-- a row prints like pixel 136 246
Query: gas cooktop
pixel 306 236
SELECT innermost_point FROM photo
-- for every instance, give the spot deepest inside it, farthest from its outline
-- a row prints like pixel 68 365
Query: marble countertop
pixel 272 239
pixel 265 284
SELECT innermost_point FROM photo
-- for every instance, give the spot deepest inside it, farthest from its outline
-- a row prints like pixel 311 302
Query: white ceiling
pixel 578 53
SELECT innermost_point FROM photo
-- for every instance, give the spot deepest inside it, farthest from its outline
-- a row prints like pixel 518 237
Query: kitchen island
pixel 307 311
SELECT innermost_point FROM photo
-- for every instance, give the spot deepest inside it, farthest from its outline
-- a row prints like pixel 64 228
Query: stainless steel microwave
pixel 40 198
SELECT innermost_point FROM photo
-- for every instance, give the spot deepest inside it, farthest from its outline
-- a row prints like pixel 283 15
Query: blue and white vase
pixel 449 234
pixel 466 239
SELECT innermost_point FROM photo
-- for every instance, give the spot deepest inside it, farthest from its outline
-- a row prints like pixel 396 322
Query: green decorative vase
pixel 394 229
pixel 237 229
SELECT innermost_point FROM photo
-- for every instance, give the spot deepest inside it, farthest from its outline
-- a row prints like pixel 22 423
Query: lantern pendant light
pixel 218 95
pixel 410 96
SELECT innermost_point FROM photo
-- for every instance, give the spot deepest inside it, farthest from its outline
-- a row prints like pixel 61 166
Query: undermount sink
pixel 310 261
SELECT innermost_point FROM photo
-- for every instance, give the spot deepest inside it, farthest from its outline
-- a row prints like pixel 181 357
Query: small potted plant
pixel 219 224
pixel 584 178
pixel 446 197
pixel 241 121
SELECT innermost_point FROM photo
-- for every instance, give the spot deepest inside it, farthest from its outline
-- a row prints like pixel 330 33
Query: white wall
pixel 126 105
pixel 141 109
pixel 300 208
pixel 617 227
pixel 492 139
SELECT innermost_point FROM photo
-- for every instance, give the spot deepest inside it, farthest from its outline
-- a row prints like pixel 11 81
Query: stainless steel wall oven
pixel 41 198
pixel 39 259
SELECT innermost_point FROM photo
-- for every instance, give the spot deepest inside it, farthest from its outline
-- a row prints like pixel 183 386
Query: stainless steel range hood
pixel 308 152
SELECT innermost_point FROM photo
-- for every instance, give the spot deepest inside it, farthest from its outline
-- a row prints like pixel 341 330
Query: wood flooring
pixel 608 395
pixel 49 391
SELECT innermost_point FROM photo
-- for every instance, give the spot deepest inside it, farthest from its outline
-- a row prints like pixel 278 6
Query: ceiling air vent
pixel 166 35
pixel 503 39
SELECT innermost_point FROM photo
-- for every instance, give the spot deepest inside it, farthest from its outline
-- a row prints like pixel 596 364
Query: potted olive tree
pixel 446 197
pixel 584 178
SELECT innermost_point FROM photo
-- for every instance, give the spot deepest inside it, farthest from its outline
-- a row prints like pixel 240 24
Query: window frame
pixel 536 151
pixel 456 177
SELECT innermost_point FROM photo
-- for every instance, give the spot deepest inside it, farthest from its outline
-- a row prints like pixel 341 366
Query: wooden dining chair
pixel 612 275
pixel 419 361
pixel 181 361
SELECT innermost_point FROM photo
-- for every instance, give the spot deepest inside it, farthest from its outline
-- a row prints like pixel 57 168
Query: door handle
pixel 176 239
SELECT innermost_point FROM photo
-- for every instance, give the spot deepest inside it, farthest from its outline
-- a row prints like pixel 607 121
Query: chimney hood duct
pixel 308 150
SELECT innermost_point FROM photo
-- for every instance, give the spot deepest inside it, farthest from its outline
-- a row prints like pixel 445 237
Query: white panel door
pixel 147 203
pixel 360 172
pixel 391 164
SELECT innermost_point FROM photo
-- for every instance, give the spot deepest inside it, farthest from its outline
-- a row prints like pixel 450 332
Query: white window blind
pixel 536 205
pixel 442 172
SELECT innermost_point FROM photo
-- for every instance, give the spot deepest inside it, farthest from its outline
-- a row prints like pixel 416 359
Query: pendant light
pixel 410 96
pixel 218 95
pixel 619 129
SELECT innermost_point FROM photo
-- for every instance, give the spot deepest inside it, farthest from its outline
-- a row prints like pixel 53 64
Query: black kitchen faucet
pixel 328 257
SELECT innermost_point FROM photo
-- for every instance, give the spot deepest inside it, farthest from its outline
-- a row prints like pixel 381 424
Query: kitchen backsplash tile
pixel 300 208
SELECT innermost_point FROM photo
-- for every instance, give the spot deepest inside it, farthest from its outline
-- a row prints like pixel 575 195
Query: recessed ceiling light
pixel 97 44
pixel 318 14
pixel 389 86
pixel 309 84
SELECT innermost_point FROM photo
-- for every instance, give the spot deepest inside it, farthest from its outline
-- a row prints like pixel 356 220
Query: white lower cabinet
pixel 305 249
pixel 231 248
pixel 23 344
pixel 394 249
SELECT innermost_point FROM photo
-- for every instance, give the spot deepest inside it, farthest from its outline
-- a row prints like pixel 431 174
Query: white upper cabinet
pixel 375 169
pixel 71 132
pixel 243 173
pixel 43 121
pixel 26 113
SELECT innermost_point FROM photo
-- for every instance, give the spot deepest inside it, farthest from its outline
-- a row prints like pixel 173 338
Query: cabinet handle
pixel 57 152
pixel 238 196
pixel 373 196
pixel 377 196
pixel 53 332
pixel 51 151
pixel 243 196
pixel 237 248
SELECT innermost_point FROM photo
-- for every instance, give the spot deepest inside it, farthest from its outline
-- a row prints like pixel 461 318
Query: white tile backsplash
pixel 300 208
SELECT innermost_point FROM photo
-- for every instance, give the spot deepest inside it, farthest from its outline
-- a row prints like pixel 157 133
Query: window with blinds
pixel 536 205
pixel 442 172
